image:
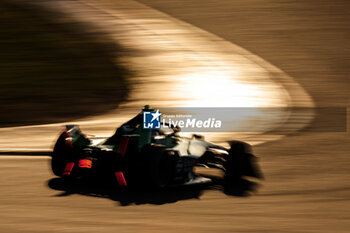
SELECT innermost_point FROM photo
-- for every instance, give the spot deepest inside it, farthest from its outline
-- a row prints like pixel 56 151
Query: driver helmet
pixel 147 108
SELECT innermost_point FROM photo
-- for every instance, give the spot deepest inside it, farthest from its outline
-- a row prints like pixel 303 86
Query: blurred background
pixel 60 62
pixel 52 70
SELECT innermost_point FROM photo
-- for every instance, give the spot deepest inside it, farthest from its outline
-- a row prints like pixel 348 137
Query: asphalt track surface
pixel 307 183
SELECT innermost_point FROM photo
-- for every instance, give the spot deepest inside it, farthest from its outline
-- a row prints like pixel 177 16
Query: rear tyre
pixel 60 155
pixel 160 165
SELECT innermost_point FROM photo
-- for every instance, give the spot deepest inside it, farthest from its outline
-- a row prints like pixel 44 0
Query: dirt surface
pixel 307 184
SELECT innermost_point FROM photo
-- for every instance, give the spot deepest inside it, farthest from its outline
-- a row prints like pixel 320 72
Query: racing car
pixel 134 156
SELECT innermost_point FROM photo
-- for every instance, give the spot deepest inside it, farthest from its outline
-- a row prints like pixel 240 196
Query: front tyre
pixel 241 162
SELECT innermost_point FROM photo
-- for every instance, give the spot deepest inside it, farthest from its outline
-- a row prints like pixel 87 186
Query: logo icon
pixel 151 120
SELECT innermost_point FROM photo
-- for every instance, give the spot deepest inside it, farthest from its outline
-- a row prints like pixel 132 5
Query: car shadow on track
pixel 140 196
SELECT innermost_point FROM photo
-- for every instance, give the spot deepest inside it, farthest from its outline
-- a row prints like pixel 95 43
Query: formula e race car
pixel 135 156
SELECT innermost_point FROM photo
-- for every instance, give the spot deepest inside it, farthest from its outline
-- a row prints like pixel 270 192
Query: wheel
pixel 160 165
pixel 60 155
pixel 241 162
